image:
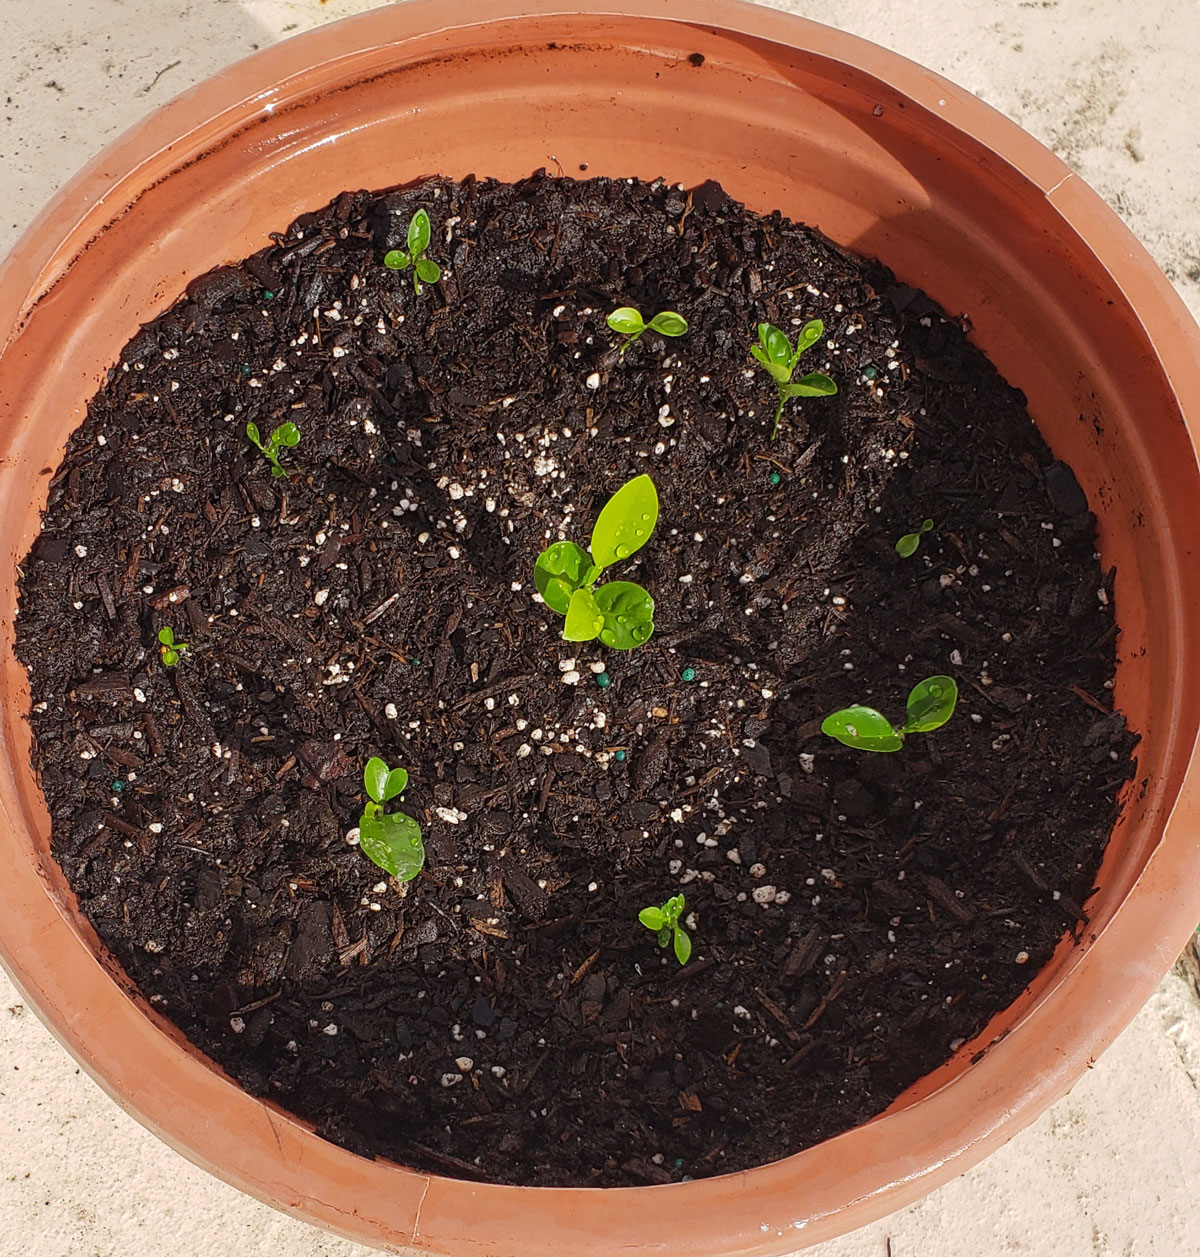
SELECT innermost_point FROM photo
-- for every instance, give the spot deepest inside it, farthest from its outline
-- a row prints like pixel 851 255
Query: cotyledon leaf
pixel 559 571
pixel 628 614
pixel 584 618
pixel 863 728
pixel 393 841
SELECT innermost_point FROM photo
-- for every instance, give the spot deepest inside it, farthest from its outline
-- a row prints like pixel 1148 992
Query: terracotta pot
pixel 882 156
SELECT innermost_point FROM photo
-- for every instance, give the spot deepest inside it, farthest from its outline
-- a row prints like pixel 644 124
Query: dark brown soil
pixel 508 1018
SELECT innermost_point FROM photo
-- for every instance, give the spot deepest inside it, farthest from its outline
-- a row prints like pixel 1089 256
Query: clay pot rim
pixel 269 1153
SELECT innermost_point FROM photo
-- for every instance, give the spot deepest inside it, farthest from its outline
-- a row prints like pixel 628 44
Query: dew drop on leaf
pixel 622 551
pixel 608 637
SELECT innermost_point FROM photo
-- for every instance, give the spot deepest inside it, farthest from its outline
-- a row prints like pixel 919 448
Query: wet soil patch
pixel 855 915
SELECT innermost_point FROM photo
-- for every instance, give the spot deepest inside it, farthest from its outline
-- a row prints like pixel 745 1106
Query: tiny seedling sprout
pixel 423 268
pixel 391 839
pixel 628 321
pixel 169 648
pixel 284 436
pixel 930 705
pixel 906 547
pixel 664 921
pixel 620 613
pixel 774 351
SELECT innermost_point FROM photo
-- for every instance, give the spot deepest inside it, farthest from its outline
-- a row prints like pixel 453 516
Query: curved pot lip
pixel 262 1150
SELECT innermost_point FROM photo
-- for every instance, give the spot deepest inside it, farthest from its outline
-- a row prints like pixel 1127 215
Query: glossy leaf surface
pixel 810 333
pixel 930 704
pixel 626 320
pixel 815 384
pixel 584 618
pixel 627 612
pixel 668 323
pixel 863 728
pixel 419 233
pixel 625 522
pixel 776 347
pixel 560 570
pixel 397 780
pixel 393 841
pixel 375 778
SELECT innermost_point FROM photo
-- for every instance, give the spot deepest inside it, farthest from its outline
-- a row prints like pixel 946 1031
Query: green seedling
pixel 906 547
pixel 169 648
pixel 930 705
pixel 628 321
pixel 285 436
pixel 391 839
pixel 664 922
pixel 423 268
pixel 620 613
pixel 779 359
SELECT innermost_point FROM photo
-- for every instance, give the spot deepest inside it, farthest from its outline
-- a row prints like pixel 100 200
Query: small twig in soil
pixel 818 1012
pixel 1084 696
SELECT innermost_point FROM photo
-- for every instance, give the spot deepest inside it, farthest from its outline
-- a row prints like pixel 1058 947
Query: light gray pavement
pixel 1112 1170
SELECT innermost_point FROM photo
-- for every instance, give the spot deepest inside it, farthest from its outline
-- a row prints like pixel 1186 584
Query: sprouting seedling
pixel 628 321
pixel 664 922
pixel 777 356
pixel 930 705
pixel 423 268
pixel 621 612
pixel 169 648
pixel 284 436
pixel 906 547
pixel 391 839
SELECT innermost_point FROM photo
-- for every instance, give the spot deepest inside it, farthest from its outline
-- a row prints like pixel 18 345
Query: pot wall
pixel 883 157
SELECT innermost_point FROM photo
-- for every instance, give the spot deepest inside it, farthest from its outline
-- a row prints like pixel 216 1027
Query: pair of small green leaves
pixel 906 547
pixel 391 839
pixel 930 705
pixel 621 612
pixel 419 235
pixel 664 922
pixel 286 436
pixel 628 321
pixel 169 648
pixel 776 354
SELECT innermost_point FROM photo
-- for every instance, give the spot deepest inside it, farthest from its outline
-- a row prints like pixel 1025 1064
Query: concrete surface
pixel 1112 1170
